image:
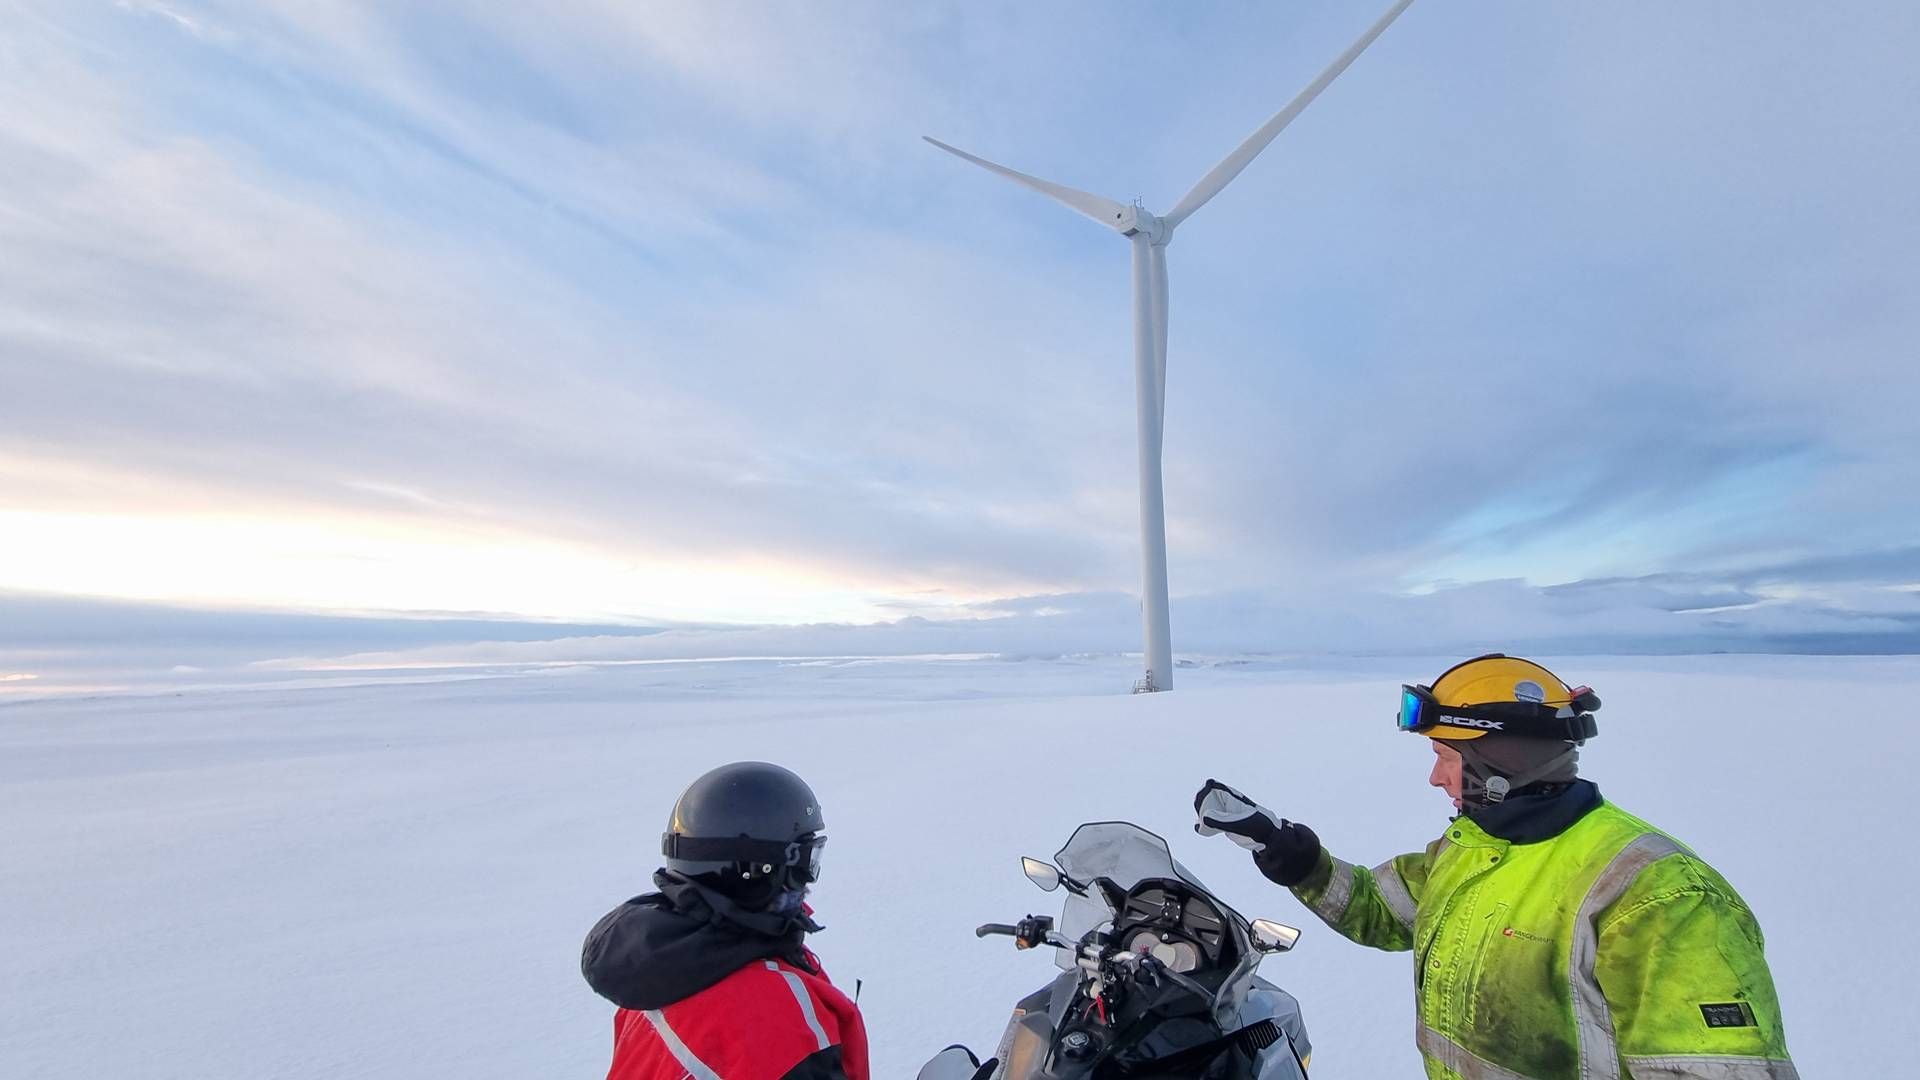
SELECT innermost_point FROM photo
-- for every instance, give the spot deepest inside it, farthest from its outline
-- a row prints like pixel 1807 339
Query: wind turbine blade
pixel 1223 173
pixel 1103 210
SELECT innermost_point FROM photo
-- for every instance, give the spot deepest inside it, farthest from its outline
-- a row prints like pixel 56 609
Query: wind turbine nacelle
pixel 1129 220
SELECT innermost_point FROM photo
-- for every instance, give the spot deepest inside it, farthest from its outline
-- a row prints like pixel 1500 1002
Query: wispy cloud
pixel 1532 296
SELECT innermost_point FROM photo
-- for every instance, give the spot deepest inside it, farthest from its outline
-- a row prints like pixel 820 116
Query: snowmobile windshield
pixel 1121 852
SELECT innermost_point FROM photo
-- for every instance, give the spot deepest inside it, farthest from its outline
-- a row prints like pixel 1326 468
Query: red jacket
pixel 769 1020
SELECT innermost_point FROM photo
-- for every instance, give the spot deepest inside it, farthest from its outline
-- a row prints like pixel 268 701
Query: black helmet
pixel 746 827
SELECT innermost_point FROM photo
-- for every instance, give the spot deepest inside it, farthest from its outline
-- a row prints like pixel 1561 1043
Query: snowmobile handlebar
pixel 1027 933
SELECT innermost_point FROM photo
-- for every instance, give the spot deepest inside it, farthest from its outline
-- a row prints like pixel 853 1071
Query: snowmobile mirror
pixel 1273 937
pixel 1044 874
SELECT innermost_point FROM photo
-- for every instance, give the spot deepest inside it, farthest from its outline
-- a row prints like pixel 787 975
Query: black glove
pixel 1285 851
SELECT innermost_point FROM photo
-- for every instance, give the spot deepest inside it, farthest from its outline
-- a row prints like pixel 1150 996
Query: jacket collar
pixel 667 946
pixel 697 901
pixel 1529 819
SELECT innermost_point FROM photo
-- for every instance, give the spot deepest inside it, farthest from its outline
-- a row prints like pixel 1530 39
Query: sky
pixel 1577 324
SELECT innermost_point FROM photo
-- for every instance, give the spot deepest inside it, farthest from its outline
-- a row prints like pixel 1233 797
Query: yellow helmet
pixel 1492 678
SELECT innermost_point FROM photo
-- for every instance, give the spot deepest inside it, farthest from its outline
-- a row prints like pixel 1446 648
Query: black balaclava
pixel 1495 766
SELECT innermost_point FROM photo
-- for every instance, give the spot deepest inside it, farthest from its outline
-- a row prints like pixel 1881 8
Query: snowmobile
pixel 1158 977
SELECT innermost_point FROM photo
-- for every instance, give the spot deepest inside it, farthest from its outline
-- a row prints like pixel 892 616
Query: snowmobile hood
pixel 666 946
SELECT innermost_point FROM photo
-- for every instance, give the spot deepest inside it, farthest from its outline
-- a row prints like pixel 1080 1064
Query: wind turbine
pixel 1150 236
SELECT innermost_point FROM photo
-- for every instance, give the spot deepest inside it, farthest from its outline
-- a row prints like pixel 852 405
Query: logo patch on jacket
pixel 1730 1015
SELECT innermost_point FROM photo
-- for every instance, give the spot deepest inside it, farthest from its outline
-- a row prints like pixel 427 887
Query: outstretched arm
pixel 1373 907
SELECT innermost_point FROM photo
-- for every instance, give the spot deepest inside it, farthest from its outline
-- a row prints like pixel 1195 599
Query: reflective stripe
pixel 805 999
pixel 1708 1067
pixel 1394 892
pixel 696 1068
pixel 1451 1055
pixel 1592 1019
pixel 1333 903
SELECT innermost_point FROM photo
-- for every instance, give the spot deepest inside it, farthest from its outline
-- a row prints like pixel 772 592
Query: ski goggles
pixel 1420 712
pixel 801 857
pixel 815 850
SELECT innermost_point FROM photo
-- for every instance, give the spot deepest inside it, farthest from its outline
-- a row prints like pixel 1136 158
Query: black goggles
pixel 1421 713
pixel 801 857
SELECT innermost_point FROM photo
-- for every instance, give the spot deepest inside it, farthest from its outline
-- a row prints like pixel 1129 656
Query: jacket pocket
pixel 1482 941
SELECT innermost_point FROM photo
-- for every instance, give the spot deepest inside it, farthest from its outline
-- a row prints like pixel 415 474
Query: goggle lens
pixel 807 850
pixel 1413 709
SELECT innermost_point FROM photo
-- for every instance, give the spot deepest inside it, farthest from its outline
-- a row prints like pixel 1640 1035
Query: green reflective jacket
pixel 1607 951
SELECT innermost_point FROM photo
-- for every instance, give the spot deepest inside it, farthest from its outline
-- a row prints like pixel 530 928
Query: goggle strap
pixel 1524 719
pixel 1577 728
pixel 734 849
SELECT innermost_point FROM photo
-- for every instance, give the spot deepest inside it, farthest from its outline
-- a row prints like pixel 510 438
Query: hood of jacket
pixel 666 946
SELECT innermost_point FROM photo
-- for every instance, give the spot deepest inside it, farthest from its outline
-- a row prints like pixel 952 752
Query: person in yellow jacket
pixel 1555 935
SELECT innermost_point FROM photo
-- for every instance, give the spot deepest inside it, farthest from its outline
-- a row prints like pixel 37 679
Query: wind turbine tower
pixel 1150 235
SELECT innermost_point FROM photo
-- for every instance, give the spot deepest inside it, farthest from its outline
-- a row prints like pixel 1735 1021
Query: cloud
pixel 317 360
pixel 1531 295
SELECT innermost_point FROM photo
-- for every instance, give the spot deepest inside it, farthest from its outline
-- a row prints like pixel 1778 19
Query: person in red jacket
pixel 712 974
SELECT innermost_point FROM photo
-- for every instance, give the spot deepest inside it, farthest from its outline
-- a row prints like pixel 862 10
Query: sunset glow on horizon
pixel 350 565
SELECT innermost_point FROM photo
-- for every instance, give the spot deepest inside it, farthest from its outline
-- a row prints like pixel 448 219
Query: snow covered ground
pixel 392 880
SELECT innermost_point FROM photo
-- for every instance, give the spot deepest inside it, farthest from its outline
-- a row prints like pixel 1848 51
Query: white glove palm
pixel 1220 809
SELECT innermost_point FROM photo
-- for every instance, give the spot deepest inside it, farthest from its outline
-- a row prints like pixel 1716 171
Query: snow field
pixel 393 881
